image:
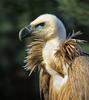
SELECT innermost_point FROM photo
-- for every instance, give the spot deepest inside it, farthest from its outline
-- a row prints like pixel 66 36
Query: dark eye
pixel 40 25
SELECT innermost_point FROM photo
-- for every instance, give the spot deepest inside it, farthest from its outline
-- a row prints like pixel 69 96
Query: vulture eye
pixel 39 26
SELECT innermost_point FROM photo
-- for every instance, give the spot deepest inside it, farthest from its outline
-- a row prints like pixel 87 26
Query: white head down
pixel 48 26
pixel 45 27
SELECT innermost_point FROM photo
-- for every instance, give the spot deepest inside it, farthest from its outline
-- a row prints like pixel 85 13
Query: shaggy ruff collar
pixel 65 54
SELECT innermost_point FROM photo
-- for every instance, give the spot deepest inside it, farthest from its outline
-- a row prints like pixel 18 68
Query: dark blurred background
pixel 15 14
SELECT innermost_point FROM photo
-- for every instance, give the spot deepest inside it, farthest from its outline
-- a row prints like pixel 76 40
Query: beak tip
pixel 20 34
pixel 25 32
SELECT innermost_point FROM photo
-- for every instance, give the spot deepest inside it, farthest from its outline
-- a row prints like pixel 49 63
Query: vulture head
pixel 45 27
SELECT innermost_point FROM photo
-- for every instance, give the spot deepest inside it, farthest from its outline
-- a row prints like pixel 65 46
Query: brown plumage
pixel 63 66
pixel 34 57
pixel 68 52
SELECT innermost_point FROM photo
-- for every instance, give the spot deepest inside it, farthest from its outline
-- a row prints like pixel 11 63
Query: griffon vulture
pixel 63 66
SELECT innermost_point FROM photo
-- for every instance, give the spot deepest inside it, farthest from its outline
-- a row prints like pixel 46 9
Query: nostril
pixel 28 27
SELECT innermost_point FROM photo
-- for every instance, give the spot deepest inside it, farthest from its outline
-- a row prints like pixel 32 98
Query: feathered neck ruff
pixel 65 54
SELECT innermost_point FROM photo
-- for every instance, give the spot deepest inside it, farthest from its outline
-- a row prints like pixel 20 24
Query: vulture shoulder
pixel 79 77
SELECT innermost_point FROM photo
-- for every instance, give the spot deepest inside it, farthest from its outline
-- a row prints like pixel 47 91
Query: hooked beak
pixel 25 32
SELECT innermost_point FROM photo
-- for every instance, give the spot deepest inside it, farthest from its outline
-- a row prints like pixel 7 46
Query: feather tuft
pixel 64 55
pixel 68 51
pixel 34 57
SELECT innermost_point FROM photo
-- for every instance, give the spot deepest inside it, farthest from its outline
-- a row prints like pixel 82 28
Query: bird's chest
pixel 48 57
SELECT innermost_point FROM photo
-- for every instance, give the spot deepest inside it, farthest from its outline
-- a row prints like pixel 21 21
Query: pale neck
pixel 56 42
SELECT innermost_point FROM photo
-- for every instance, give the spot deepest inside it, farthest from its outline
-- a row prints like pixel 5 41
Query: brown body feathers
pixel 69 53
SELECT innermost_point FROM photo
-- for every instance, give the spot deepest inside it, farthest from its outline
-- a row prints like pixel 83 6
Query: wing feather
pixel 44 85
pixel 79 77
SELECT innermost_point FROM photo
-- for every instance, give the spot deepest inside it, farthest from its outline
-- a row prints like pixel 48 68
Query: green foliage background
pixel 15 14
